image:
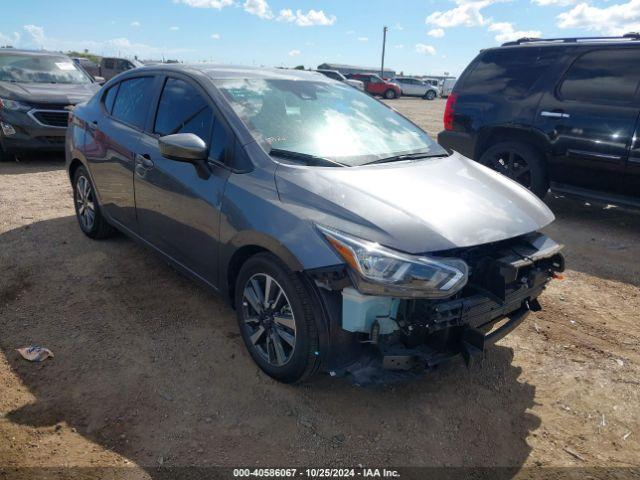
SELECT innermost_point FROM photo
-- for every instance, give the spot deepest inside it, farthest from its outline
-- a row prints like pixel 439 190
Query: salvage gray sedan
pixel 345 238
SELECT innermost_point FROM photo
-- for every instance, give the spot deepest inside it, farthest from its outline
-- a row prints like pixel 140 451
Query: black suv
pixel 552 110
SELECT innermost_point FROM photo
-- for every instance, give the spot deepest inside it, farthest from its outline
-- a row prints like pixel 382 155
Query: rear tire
pixel 277 322
pixel 430 95
pixel 90 218
pixel 521 163
pixel 390 94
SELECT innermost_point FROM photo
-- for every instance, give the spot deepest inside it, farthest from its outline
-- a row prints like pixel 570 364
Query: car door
pixel 632 171
pixel 112 140
pixel 590 118
pixel 178 203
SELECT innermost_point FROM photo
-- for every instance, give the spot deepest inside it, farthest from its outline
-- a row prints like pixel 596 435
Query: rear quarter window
pixel 607 75
pixel 511 72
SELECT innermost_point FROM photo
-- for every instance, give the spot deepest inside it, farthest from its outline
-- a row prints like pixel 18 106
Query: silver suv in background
pixel 416 87
pixel 336 75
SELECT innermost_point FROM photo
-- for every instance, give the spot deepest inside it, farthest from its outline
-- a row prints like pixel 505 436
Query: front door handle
pixel 547 114
pixel 144 160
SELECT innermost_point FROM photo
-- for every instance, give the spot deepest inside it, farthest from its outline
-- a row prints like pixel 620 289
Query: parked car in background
pixel 414 87
pixel 558 110
pixel 336 75
pixel 111 66
pixel 345 238
pixel 37 89
pixel 447 86
pixel 89 66
pixel 375 85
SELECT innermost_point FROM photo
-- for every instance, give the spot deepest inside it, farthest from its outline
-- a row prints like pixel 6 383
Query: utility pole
pixel 384 44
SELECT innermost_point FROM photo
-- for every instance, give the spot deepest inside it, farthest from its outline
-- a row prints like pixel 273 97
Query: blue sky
pixel 425 36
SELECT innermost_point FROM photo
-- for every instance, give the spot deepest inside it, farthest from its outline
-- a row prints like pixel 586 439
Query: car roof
pixel 220 72
pixel 35 53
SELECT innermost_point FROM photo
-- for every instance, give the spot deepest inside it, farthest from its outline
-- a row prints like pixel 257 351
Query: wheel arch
pixel 491 136
pixel 247 244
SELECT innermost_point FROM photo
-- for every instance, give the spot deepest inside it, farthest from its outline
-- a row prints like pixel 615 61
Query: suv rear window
pixel 603 75
pixel 509 71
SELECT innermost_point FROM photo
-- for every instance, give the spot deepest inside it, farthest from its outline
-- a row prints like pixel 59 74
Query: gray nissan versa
pixel 37 88
pixel 346 239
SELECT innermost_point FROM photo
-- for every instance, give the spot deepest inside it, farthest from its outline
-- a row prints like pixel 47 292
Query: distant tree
pixel 300 67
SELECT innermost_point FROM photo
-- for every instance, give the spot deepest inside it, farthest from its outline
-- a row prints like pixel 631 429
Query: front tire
pixel 88 213
pixel 519 162
pixel 276 319
pixel 390 94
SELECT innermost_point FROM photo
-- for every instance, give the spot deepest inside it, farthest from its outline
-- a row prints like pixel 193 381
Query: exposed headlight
pixel 6 104
pixel 383 271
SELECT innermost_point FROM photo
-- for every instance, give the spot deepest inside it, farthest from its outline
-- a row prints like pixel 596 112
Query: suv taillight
pixel 449 110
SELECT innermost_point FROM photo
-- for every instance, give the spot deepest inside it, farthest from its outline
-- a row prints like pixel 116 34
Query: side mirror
pixel 183 147
pixel 99 80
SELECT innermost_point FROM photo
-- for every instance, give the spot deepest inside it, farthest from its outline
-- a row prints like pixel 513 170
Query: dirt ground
pixel 149 368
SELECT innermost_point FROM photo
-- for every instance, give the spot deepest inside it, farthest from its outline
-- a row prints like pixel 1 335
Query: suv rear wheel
pixel 519 162
pixel 276 319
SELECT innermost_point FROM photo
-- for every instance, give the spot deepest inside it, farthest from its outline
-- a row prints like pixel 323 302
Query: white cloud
pixel 215 36
pixel 436 33
pixel 506 33
pixel 398 27
pixel 174 29
pixel 259 8
pixel 135 24
pixel 294 53
pixel 399 46
pixel 217 4
pixel 425 49
pixel 36 34
pixel 363 39
pixel 12 39
pixel 467 13
pixel 311 18
pixel 546 3
pixel 612 20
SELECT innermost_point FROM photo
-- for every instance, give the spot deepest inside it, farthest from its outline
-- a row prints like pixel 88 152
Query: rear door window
pixel 183 110
pixel 132 102
pixel 607 75
pixel 110 98
pixel 509 71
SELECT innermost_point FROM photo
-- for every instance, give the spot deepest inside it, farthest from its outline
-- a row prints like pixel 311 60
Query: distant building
pixel 347 69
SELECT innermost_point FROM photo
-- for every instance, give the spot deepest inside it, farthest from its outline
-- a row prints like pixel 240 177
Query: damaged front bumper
pixel 370 333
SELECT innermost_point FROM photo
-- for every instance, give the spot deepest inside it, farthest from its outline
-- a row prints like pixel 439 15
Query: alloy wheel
pixel 512 165
pixel 85 203
pixel 268 319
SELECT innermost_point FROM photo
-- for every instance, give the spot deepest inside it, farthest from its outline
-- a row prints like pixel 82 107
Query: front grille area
pixel 52 118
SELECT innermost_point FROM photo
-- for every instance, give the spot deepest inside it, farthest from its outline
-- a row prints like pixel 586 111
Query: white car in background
pixel 416 87
pixel 336 75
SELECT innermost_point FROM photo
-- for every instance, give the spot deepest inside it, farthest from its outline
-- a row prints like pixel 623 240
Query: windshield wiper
pixel 309 159
pixel 407 156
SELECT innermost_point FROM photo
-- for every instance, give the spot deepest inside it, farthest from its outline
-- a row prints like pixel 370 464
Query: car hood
pixel 418 206
pixel 54 93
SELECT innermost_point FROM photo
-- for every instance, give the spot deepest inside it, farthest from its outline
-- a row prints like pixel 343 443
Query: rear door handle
pixel 547 114
pixel 144 160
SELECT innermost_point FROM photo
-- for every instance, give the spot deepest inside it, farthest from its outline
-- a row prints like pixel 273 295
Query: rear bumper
pixel 29 134
pixel 461 142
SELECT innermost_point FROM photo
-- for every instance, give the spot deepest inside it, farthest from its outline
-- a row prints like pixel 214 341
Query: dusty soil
pixel 149 369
